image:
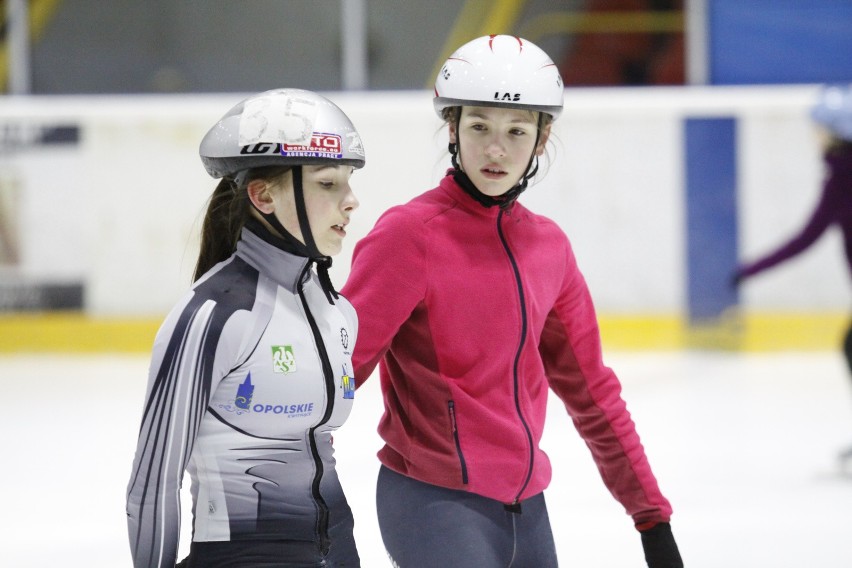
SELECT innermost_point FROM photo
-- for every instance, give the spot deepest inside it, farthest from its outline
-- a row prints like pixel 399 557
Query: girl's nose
pixel 350 202
pixel 495 148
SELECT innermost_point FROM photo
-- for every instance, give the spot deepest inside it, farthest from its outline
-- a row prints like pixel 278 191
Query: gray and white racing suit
pixel 250 374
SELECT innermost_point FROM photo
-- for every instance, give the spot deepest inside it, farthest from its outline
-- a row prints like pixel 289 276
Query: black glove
pixel 660 547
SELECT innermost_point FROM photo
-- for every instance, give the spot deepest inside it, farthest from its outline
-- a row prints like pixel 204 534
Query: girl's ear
pixel 542 142
pixel 260 196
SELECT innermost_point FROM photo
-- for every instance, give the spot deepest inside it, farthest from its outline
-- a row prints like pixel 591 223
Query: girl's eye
pixel 517 132
pixel 326 184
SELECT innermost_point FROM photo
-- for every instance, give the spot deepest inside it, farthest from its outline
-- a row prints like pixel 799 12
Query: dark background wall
pixel 127 46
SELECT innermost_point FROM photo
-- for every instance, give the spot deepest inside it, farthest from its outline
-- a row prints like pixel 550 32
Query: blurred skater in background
pixel 251 371
pixel 833 113
pixel 474 308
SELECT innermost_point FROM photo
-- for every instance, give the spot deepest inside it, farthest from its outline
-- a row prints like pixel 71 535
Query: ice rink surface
pixel 744 445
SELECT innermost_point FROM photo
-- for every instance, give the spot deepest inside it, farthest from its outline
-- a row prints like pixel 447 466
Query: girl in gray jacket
pixel 251 371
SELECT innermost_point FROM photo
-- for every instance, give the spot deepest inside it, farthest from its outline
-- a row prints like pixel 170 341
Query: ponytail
pixel 226 214
pixel 227 211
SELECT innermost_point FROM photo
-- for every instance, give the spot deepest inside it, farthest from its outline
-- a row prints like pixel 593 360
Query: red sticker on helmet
pixel 321 146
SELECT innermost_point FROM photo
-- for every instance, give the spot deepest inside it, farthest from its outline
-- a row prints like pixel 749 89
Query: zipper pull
pixel 514 507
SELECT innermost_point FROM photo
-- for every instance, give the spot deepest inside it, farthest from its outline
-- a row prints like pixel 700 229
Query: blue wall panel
pixel 779 41
pixel 711 216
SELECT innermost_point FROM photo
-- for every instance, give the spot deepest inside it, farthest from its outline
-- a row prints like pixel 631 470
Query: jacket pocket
pixel 452 408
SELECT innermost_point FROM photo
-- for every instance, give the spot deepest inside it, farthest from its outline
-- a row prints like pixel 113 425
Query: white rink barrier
pixel 117 204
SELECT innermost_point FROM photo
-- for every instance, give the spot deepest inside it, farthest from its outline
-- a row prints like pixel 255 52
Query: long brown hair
pixel 227 211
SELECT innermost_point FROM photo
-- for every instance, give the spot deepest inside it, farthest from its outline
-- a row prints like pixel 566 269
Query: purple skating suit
pixel 834 207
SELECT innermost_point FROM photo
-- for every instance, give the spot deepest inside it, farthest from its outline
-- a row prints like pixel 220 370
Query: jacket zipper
pixel 322 506
pixel 517 361
pixel 452 408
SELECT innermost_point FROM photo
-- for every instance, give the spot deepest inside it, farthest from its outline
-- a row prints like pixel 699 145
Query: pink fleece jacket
pixel 472 313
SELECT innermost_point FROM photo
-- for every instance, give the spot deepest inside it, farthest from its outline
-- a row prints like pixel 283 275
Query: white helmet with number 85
pixel 281 127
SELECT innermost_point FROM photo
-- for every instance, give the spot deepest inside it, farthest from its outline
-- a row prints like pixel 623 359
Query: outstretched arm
pixel 819 221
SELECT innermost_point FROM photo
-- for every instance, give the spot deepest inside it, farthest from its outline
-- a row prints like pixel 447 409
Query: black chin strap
pixel 309 248
pixel 322 261
pixel 505 200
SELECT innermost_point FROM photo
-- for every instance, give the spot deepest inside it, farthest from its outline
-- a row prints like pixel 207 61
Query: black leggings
pixel 425 526
pixel 278 554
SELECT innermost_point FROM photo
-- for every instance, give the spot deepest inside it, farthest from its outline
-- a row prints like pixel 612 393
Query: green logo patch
pixel 283 359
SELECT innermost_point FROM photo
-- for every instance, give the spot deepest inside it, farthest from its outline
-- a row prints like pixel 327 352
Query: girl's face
pixel 495 145
pixel 328 199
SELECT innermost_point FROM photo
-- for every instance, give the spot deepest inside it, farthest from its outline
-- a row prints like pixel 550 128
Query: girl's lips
pixel 492 173
pixel 339 229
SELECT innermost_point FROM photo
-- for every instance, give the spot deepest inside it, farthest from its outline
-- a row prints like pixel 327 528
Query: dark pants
pixel 278 554
pixel 425 526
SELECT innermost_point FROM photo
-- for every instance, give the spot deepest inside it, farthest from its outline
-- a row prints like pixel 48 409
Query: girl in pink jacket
pixel 473 308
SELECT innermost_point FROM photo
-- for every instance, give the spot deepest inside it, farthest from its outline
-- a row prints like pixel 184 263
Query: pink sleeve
pixel 387 281
pixel 571 351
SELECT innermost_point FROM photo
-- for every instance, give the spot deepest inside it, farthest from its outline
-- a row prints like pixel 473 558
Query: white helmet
pixel 281 127
pixel 500 71
pixel 834 110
